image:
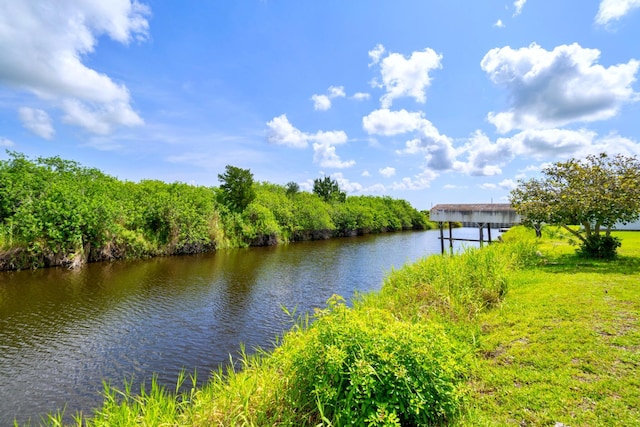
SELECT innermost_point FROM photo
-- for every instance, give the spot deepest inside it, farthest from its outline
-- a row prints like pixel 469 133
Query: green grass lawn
pixel 564 346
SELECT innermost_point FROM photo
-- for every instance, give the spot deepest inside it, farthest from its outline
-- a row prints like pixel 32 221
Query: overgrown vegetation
pixel 366 367
pixel 441 344
pixel 57 212
pixel 395 358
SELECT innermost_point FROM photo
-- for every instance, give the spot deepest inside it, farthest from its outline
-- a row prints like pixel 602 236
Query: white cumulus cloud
pixel 440 155
pixel 323 102
pixel 336 92
pixel 325 155
pixel 325 151
pixel 545 143
pixel 555 88
pixel 387 172
pixel 405 76
pixel 437 148
pixel 486 158
pixel 387 122
pixel 37 121
pixel 612 10
pixel 518 5
pixel 376 53
pixel 507 184
pixel 614 143
pixel 418 182
pixel 5 142
pixel 361 96
pixel 43 44
pixel 282 132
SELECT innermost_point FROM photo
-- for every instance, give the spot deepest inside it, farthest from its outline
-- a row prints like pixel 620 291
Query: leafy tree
pixel 596 193
pixel 292 188
pixel 328 190
pixel 237 188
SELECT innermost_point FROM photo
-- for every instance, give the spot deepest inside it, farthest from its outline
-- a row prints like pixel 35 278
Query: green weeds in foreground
pixel 439 345
pixel 127 407
pixel 366 367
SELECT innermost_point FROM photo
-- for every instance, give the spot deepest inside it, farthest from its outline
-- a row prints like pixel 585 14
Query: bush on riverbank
pixel 57 212
pixel 366 367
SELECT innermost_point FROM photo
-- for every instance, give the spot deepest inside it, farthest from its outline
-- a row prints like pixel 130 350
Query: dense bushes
pixel 366 367
pixel 57 212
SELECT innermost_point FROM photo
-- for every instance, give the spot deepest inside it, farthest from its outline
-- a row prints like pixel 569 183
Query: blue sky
pixel 428 101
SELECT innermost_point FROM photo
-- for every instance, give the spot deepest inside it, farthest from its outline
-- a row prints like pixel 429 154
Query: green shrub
pixel 260 226
pixel 598 246
pixel 129 244
pixel 311 217
pixel 365 367
pixel 279 200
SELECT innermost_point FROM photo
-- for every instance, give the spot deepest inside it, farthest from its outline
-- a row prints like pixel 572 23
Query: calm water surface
pixel 63 332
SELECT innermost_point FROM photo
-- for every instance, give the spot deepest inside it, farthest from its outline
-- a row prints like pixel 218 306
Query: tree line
pixel 58 212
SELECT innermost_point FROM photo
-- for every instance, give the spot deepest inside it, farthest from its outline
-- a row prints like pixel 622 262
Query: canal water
pixel 62 332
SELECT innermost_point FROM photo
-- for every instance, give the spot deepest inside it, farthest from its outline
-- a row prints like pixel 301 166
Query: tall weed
pixel 455 286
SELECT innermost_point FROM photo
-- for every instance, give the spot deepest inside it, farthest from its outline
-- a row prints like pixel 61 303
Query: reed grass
pixel 456 287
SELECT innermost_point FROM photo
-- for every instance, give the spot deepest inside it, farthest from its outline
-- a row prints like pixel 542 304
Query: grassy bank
pixel 498 336
pixel 564 347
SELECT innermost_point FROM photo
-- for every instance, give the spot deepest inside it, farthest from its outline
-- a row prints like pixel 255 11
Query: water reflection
pixel 62 332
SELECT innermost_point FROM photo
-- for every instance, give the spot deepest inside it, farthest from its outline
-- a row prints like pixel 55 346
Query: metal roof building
pixel 494 213
pixel 480 215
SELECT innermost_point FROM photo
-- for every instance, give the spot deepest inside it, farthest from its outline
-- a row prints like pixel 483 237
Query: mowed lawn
pixel 563 349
